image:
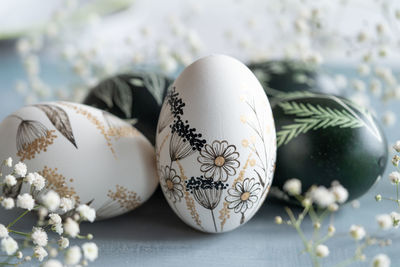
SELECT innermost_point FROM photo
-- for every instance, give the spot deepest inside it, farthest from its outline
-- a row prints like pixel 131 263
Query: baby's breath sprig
pixel 57 216
pixel 392 220
pixel 318 203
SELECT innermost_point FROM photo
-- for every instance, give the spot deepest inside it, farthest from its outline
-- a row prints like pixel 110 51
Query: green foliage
pixel 311 117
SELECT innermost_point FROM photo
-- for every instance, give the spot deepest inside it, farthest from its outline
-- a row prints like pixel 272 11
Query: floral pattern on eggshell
pixel 219 160
pixel 32 138
pixel 171 184
pixel 120 200
pixel 243 196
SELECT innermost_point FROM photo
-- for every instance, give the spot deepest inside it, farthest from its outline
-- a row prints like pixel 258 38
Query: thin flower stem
pixel 297 227
pixel 390 199
pixel 16 220
pixel 19 233
pixel 346 262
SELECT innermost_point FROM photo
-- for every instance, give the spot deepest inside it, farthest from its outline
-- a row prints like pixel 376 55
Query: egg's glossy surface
pixel 216 144
pixel 84 153
pixel 137 97
pixel 322 138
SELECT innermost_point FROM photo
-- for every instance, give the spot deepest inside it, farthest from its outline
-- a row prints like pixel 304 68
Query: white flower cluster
pixel 45 201
pixel 320 195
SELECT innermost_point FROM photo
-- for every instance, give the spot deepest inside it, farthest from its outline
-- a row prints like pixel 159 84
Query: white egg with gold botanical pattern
pixel 216 144
pixel 84 153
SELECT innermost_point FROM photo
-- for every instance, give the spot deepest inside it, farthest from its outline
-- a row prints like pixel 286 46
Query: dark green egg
pixel 290 76
pixel 135 97
pixel 322 138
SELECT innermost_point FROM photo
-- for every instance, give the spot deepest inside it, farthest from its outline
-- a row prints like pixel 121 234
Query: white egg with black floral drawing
pixel 216 145
pixel 86 155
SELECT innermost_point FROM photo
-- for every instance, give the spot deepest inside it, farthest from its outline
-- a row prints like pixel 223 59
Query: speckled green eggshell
pixel 132 96
pixel 332 140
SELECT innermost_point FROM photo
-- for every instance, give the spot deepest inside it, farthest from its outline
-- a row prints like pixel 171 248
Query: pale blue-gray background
pixel 153 236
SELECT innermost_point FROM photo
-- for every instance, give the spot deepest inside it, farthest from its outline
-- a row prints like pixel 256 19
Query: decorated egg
pixel 323 138
pixel 216 145
pixel 291 76
pixel 135 97
pixel 84 153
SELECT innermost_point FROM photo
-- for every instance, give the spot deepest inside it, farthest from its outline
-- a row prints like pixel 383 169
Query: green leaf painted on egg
pixel 115 91
pixel 311 117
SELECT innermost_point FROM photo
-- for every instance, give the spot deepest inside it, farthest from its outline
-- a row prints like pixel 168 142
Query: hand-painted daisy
pixel 243 196
pixel 219 161
pixel 171 184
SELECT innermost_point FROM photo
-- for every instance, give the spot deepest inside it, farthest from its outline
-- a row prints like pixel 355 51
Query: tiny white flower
pixel 3 231
pixel 322 196
pixel 39 182
pixel 331 230
pixel 322 251
pixel 10 180
pixel 363 69
pixel 25 201
pixel 375 86
pixel 90 251
pixel 58 228
pixel 394 177
pixel 333 207
pixel 19 255
pixel 54 218
pixel 397 146
pixel 40 253
pixel 357 232
pixel 73 255
pixel 8 203
pixel 51 200
pixel 86 213
pixel 381 260
pixel 389 118
pixel 292 186
pixel 380 28
pixel 385 221
pixel 30 178
pixel 340 81
pixel 395 219
pixel 278 220
pixel 63 242
pixel 362 36
pixel 52 263
pixel 168 64
pixel 20 169
pixel 301 25
pixel 341 194
pixel 66 204
pixel 8 162
pixel 71 227
pixel 9 245
pixel 39 237
pixel 359 85
pixel 42 212
pixel 53 252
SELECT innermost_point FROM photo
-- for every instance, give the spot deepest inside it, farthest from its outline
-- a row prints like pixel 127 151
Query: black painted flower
pixel 219 161
pixel 207 193
pixel 172 184
pixel 179 147
pixel 243 196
